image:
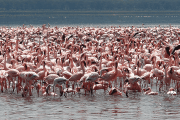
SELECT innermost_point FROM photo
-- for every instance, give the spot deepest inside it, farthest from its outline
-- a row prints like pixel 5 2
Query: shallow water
pixel 100 106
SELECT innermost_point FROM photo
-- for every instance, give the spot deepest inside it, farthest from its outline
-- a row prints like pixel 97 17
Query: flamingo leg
pixel 30 92
pixel 2 84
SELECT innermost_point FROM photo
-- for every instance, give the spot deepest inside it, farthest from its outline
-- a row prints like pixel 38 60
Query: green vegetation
pixel 90 5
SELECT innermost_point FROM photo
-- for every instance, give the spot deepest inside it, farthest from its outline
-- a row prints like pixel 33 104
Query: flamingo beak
pixel 99 76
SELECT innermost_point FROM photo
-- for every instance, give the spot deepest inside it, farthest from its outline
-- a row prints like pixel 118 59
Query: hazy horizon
pixel 90 5
pixel 89 12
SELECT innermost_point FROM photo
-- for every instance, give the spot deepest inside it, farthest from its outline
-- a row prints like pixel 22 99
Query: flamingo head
pixel 171 71
pixel 126 70
pixel 35 76
pixel 171 89
pixel 126 81
pixel 83 63
pixel 47 88
pixel 112 91
pixel 116 64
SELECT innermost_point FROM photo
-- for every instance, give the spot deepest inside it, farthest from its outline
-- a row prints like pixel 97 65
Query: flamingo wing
pixel 75 77
pixel 92 77
pixel 134 79
pixel 60 80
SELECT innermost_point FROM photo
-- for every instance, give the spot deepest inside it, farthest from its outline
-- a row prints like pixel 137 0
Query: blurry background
pixel 62 12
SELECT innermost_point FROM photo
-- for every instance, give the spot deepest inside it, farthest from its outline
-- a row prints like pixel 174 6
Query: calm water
pixel 100 106
pixel 74 18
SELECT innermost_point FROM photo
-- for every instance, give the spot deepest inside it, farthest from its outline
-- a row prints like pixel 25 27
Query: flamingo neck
pixel 44 68
pixel 83 69
pixel 38 65
pixel 5 68
pixel 116 70
pixel 71 62
pixel 165 72
pixel 13 65
pixel 48 54
pixel 177 61
pixel 39 40
pixel 100 64
pixel 58 62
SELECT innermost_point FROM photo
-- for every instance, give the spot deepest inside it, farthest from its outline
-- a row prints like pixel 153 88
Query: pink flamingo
pixel 57 81
pixel 115 91
pixel 148 91
pixel 111 75
pixel 77 76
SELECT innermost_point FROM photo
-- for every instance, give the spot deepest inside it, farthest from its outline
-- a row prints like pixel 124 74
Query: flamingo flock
pixel 83 60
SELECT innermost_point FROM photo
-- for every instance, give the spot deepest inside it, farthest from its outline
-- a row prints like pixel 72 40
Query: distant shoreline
pixel 48 12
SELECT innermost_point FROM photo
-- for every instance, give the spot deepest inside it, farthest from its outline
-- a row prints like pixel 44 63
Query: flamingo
pixel 74 45
pixel 50 78
pixel 42 74
pixel 12 73
pixel 132 84
pixel 57 81
pixel 171 91
pixel 148 91
pixel 101 85
pixel 175 75
pixel 111 75
pixel 115 91
pixel 93 76
pixel 29 80
pixel 77 76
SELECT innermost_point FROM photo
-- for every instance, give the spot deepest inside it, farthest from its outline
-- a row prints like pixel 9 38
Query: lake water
pixel 100 106
pixel 89 18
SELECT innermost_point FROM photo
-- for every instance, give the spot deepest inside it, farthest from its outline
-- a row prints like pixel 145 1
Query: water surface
pixel 11 18
pixel 100 106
